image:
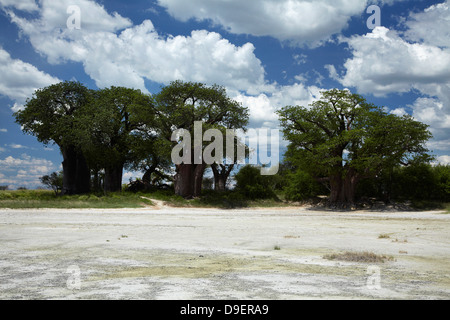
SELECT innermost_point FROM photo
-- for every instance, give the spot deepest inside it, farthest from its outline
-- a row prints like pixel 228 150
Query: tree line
pixel 107 130
pixel 340 144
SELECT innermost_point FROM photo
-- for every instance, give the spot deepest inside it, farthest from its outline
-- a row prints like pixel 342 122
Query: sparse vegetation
pixel 364 257
pixel 40 199
pixel 384 236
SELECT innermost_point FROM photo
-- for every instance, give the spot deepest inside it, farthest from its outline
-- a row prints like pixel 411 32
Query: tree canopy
pixel 115 128
pixel 179 105
pixel 340 141
pixel 108 130
pixel 342 138
pixel 51 115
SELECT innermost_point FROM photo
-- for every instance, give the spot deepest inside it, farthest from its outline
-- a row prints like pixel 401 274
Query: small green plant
pixel 384 236
pixel 276 248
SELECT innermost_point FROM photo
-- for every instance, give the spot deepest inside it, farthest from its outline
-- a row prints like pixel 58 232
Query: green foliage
pixel 180 104
pixel 35 199
pixel 442 178
pixel 343 130
pixel 53 181
pixel 109 129
pixel 253 185
pixel 105 129
pixel 422 182
pixel 51 112
pixel 418 182
pixel 343 139
pixel 301 186
pixel 208 183
pixel 51 115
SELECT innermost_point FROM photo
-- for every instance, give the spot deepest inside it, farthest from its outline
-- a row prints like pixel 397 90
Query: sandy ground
pixel 169 253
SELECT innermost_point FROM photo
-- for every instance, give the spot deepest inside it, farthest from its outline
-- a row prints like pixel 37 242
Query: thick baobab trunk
pixel 183 183
pixel 69 171
pixel 76 173
pixel 188 180
pixel 113 178
pixel 220 183
pixel 343 188
pixel 83 179
pixel 147 177
pixel 199 170
pixel 336 186
pixel 221 174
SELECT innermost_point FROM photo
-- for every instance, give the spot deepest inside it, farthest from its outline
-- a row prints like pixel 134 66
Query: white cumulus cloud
pixel 415 59
pixel 431 26
pixel 25 5
pixel 138 52
pixel 20 79
pixel 296 21
pixel 383 63
pixel 24 171
pixel 444 160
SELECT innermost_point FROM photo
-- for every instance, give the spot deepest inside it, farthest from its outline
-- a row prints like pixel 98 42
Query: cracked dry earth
pixel 189 253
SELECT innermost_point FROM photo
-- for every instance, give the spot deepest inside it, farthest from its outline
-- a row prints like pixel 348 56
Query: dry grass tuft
pixel 291 237
pixel 366 257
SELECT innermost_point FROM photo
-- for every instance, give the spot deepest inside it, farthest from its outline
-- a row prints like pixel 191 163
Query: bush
pixel 53 181
pixel 442 176
pixel 418 182
pixel 301 186
pixel 414 182
pixel 252 185
pixel 422 182
pixel 220 199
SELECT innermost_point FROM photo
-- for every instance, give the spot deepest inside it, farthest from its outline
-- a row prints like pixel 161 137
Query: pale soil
pixel 179 253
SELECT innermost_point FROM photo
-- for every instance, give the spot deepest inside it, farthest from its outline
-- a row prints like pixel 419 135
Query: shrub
pixel 442 175
pixel 53 181
pixel 83 197
pixel 253 185
pixel 418 182
pixel 301 186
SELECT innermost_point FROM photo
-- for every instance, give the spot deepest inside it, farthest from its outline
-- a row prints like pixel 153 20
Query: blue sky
pixel 267 53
